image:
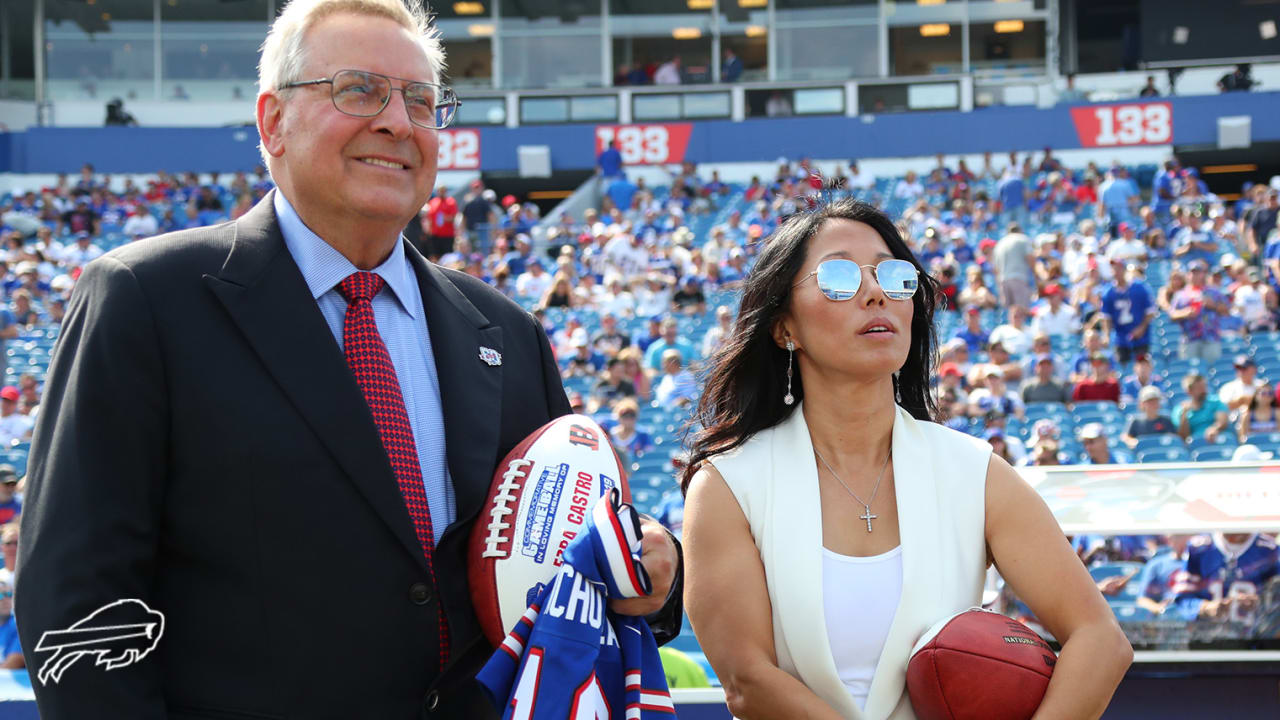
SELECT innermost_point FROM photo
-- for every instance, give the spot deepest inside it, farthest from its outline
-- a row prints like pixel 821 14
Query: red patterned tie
pixel 371 363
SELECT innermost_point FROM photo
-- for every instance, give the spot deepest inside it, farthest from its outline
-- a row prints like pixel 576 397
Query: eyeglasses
pixel 365 94
pixel 840 280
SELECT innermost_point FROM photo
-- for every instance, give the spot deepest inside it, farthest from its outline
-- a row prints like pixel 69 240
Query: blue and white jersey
pixel 1212 569
pixel 569 656
pixel 1127 309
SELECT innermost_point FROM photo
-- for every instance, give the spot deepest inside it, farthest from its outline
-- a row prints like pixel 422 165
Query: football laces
pixel 511 479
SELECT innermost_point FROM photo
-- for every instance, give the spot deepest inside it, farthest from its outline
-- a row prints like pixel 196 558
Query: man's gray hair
pixel 284 52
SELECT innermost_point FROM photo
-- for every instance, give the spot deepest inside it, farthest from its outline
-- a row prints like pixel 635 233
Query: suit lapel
pixel 266 296
pixel 470 387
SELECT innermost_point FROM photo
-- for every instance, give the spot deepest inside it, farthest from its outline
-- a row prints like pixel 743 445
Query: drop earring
pixel 789 399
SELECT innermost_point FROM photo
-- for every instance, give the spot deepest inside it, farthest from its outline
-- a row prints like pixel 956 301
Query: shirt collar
pixel 323 267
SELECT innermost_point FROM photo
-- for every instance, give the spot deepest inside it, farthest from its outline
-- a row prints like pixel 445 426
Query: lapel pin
pixel 492 357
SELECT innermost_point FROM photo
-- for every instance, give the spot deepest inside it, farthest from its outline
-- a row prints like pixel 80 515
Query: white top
pixel 859 598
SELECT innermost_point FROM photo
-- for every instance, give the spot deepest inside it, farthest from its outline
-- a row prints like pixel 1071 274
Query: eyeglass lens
pixel 841 279
pixel 366 94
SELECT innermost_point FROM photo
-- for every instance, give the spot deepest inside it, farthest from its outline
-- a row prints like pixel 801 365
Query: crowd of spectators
pixel 1032 258
pixel 1085 310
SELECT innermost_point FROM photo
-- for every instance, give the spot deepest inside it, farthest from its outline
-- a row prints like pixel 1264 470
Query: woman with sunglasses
pixel 1261 416
pixel 829 522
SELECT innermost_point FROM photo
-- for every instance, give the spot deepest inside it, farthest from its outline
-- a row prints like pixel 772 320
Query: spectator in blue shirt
pixel 1012 194
pixel 731 68
pixel 1097 450
pixel 677 386
pixel 10 650
pixel 1082 363
pixel 961 252
pixel 621 191
pixel 669 340
pixel 1130 307
pixel 1131 385
pixel 1195 242
pixel 1118 195
pixel 609 161
pixel 972 333
pixel 625 434
pixel 650 335
pixel 932 249
pixel 584 361
pixel 1165 190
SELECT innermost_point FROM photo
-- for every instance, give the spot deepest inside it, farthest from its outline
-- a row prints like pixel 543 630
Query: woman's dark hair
pixel 1253 400
pixel 746 379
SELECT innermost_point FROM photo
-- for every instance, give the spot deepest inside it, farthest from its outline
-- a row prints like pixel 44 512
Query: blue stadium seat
pixel 645 499
pixel 1098 406
pixel 1162 440
pixel 1270 447
pixel 1051 410
pixel 1165 454
pixel 652 463
pixel 1212 453
pixel 654 481
pixel 1225 439
pixel 1264 439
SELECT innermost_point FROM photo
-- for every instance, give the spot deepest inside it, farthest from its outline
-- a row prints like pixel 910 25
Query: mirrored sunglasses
pixel 840 280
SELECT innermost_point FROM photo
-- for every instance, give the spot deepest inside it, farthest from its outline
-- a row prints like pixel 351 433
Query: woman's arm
pixel 1242 429
pixel 1035 559
pixel 727 600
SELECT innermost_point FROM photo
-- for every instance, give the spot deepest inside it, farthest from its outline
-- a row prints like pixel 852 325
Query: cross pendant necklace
pixel 868 517
pixel 867 505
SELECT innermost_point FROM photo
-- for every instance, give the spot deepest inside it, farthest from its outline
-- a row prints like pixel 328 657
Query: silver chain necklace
pixel 866 515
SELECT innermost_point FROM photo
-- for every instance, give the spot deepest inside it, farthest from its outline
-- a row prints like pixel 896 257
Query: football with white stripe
pixel 540 499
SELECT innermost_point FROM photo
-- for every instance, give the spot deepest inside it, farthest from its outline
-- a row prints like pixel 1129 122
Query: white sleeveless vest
pixel 940 476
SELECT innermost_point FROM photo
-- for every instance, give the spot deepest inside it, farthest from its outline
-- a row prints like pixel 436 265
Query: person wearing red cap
pixel 1055 317
pixel 950 394
pixel 13 424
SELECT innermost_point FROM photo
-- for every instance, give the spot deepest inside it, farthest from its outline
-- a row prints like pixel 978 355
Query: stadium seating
pixel 1173 453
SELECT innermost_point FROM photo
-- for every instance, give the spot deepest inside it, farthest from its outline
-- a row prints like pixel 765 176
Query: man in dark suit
pixel 278 432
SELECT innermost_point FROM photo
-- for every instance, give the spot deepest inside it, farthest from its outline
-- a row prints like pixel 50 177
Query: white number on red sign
pixel 1133 124
pixel 638 143
pixel 459 150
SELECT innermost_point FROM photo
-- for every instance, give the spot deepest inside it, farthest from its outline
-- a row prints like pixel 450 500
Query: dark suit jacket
pixel 204 447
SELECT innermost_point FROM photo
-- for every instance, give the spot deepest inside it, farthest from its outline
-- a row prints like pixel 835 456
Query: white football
pixel 539 500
